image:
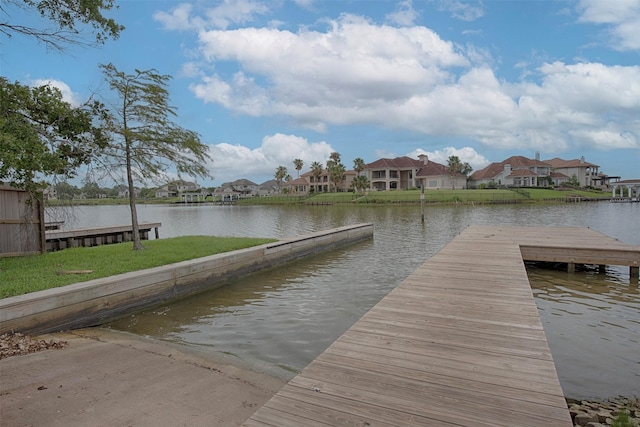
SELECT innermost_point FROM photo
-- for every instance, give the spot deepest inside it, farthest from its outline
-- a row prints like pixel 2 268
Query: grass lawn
pixel 22 275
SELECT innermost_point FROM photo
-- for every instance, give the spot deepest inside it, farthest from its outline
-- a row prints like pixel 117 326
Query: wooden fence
pixel 21 223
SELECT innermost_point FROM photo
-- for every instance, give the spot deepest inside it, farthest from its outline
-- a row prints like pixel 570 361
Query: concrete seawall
pixel 98 301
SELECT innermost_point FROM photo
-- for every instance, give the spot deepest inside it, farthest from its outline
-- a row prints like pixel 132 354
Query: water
pixel 279 320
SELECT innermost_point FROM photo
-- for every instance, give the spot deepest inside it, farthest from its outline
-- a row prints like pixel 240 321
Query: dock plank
pixel 458 343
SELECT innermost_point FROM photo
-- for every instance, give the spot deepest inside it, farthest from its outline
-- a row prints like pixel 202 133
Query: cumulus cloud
pixel 622 17
pixel 407 77
pixel 465 154
pixel 224 15
pixel 275 150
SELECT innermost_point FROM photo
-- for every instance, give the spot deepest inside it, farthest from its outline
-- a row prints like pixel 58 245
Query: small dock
pixel 96 236
pixel 457 343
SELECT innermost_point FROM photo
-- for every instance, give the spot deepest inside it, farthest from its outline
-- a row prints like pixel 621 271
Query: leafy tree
pixel 91 190
pixel 67 16
pixel 280 175
pixel 360 183
pixel 41 135
pixel 336 169
pixel 298 164
pixel 316 171
pixel 573 182
pixel 455 165
pixel 144 141
pixel 66 191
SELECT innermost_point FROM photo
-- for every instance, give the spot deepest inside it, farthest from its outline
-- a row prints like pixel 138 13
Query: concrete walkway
pixel 105 378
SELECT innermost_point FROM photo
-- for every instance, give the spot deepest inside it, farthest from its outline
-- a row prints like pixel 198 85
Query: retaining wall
pixel 101 300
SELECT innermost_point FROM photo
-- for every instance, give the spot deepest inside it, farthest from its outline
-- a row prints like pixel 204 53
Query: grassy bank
pixel 33 273
pixel 497 196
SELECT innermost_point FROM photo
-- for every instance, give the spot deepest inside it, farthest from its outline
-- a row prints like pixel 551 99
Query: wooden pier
pixel 96 236
pixel 458 343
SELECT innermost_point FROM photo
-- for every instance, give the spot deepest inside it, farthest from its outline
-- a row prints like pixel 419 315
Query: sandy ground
pixel 106 378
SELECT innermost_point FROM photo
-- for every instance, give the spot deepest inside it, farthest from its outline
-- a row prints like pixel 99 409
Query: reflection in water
pixel 279 320
pixel 592 323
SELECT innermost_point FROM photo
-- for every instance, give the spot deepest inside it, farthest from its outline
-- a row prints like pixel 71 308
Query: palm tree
pixel 360 183
pixel 281 173
pixel 336 169
pixel 358 165
pixel 316 171
pixel 298 164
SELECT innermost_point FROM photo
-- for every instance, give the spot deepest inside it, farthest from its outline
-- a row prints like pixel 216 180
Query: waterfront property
pixel 98 301
pixel 457 343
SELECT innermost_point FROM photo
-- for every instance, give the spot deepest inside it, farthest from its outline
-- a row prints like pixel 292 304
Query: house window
pixel 433 183
pixel 378 174
pixel 393 174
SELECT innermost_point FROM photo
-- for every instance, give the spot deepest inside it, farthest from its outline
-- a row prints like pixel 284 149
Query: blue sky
pixel 266 82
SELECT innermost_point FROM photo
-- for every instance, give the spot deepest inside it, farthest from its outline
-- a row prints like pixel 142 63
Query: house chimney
pixel 582 160
pixel 537 155
pixel 424 158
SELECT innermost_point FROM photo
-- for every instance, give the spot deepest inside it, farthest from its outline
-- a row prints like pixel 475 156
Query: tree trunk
pixel 137 244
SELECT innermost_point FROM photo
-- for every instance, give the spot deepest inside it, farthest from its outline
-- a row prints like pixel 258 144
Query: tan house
pixel 323 184
pixel 404 173
pixel 516 171
pixel 176 188
pixel 585 172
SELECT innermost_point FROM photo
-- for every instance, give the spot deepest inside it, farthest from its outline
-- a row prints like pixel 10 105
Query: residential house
pixel 268 188
pixel 435 176
pixel 585 172
pixel 176 188
pixel 297 186
pixel 404 173
pixel 516 171
pixel 243 187
pixel 323 184
pixel 123 191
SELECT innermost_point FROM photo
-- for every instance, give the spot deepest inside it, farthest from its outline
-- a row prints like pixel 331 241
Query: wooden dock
pixel 96 236
pixel 458 343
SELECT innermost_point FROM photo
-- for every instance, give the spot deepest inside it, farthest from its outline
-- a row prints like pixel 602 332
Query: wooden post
pixel 634 272
pixel 571 267
pixel 422 202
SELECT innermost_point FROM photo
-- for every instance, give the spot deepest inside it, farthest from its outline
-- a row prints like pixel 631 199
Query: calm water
pixel 279 320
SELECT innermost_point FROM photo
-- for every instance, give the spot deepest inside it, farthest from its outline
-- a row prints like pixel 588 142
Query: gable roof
pixel 436 169
pixel 557 163
pixel 403 162
pixel 516 162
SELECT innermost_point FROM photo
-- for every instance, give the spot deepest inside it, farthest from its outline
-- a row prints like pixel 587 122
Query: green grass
pixel 22 275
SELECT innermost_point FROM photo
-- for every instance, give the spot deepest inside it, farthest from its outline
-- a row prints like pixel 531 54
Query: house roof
pixel 436 169
pixel 557 175
pixel 516 162
pixel 488 172
pixel 298 181
pixel 243 182
pixel 403 162
pixel 557 163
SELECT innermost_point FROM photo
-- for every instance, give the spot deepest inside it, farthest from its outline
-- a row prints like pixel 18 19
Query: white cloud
pixel 405 15
pixel 224 15
pixel 465 154
pixel 233 161
pixel 359 72
pixel 463 10
pixel 67 94
pixel 621 16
